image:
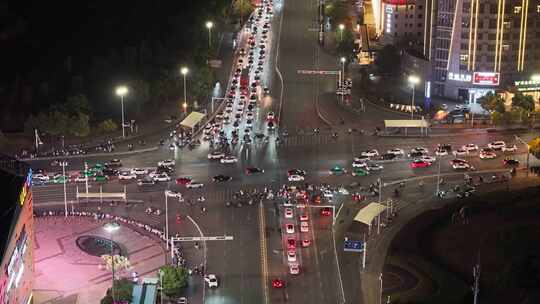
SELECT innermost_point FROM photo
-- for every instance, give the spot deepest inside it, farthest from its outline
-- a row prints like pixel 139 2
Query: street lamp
pixel 209 26
pixel 111 228
pixel 342 60
pixel 413 81
pixel 64 164
pixel 122 91
pixel 184 70
pixel 341 28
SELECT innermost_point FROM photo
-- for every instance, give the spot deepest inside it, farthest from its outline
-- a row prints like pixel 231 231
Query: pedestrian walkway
pixel 66 274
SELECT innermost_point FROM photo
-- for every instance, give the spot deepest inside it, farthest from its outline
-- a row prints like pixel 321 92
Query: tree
pixel 492 102
pixel 337 11
pixel 123 291
pixel 203 82
pixel 107 126
pixel 139 93
pixel 346 45
pixel 523 103
pixel 242 8
pixel 77 104
pixel 534 147
pixel 388 60
pixel 79 125
pixel 173 279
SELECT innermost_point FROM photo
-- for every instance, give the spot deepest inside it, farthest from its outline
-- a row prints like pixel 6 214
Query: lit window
pixel 538 8
pixel 463 57
pixel 517 9
pixel 505 47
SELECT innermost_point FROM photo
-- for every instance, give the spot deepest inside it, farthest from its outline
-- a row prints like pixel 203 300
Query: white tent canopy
pixel 192 119
pixel 402 123
pixel 368 213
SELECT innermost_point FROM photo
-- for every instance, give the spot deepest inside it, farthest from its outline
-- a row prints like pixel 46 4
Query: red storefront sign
pixel 486 78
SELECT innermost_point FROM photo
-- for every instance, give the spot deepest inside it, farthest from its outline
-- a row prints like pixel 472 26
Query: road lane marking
pixel 264 258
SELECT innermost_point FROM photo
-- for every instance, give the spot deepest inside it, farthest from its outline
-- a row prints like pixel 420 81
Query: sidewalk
pixel 84 278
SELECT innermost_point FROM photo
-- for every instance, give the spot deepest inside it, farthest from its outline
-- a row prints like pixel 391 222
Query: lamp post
pixel 413 81
pixel 167 219
pixel 341 28
pixel 209 26
pixel 122 91
pixel 342 60
pixel 111 228
pixel 184 70
pixel 64 164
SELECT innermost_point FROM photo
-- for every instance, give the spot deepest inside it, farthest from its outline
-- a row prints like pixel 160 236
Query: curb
pixel 91 155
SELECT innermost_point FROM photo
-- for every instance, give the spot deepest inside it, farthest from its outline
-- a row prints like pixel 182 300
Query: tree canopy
pixel 492 102
pixel 174 279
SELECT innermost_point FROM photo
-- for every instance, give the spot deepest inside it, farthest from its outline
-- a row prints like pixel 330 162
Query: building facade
pixel 482 45
pixel 16 235
pixel 402 21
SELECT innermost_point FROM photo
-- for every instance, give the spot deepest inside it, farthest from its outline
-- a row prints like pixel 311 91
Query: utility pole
pixel 63 163
pixel 167 220
pixel 380 279
pixel 476 275
pixel 365 253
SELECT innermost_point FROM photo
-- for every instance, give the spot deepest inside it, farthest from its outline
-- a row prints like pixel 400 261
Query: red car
pixel 278 283
pixel 306 243
pixel 183 180
pixel 291 244
pixel 418 163
pixel 326 211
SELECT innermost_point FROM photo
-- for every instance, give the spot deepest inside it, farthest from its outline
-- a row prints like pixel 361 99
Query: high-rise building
pixel 482 45
pixel 16 232
pixel 400 20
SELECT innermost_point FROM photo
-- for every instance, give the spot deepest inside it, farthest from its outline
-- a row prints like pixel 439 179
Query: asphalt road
pixel 238 262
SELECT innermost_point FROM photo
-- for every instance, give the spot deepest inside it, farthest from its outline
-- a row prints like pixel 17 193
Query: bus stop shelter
pixel 192 120
pixel 368 213
pixel 407 124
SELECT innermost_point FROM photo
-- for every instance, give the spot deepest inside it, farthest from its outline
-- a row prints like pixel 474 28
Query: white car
pixel 211 280
pixel 126 175
pixel 166 163
pixel 216 155
pixel 291 256
pixel 370 153
pixel 361 158
pixel 295 178
pixel 294 268
pixel 328 194
pixel 288 213
pixel 304 227
pixel 304 217
pixel 228 160
pixel 420 150
pixel 458 164
pixel 374 167
pixel 396 151
pixel 139 171
pixel 512 148
pixel 42 178
pixel 497 145
pixel 461 152
pixel 172 193
pixel 270 116
pixel 441 152
pixel 194 185
pixel 429 159
pixel 470 147
pixel 359 164
pixel 163 177
pixel 289 228
pixel 80 179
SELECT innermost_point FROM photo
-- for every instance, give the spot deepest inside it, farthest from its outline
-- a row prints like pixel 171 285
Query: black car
pixel 416 154
pixel 164 169
pixel 296 172
pixel 445 147
pixel 114 163
pixel 511 162
pixel 253 170
pixel 110 171
pixel 221 178
pixel 388 156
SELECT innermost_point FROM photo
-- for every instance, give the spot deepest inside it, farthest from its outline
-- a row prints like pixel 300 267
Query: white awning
pixel 418 123
pixel 368 213
pixel 192 119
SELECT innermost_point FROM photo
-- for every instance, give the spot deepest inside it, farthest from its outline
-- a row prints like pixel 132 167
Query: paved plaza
pixel 66 274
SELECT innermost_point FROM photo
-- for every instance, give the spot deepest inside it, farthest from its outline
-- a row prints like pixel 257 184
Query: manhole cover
pixel 97 246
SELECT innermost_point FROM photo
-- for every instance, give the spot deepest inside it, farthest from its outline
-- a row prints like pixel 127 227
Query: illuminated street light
pixel 184 70
pixel 111 228
pixel 122 91
pixel 341 28
pixel 343 60
pixel 209 26
pixel 413 80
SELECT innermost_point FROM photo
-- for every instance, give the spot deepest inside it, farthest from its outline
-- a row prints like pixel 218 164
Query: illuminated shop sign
pixel 26 187
pixel 460 77
pixel 527 85
pixel 486 78
pixel 396 2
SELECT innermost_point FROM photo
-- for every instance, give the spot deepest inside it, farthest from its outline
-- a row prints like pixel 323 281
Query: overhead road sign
pixel 353 246
pixel 314 72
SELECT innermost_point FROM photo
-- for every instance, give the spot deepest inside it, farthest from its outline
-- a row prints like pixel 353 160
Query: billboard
pixel 486 78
